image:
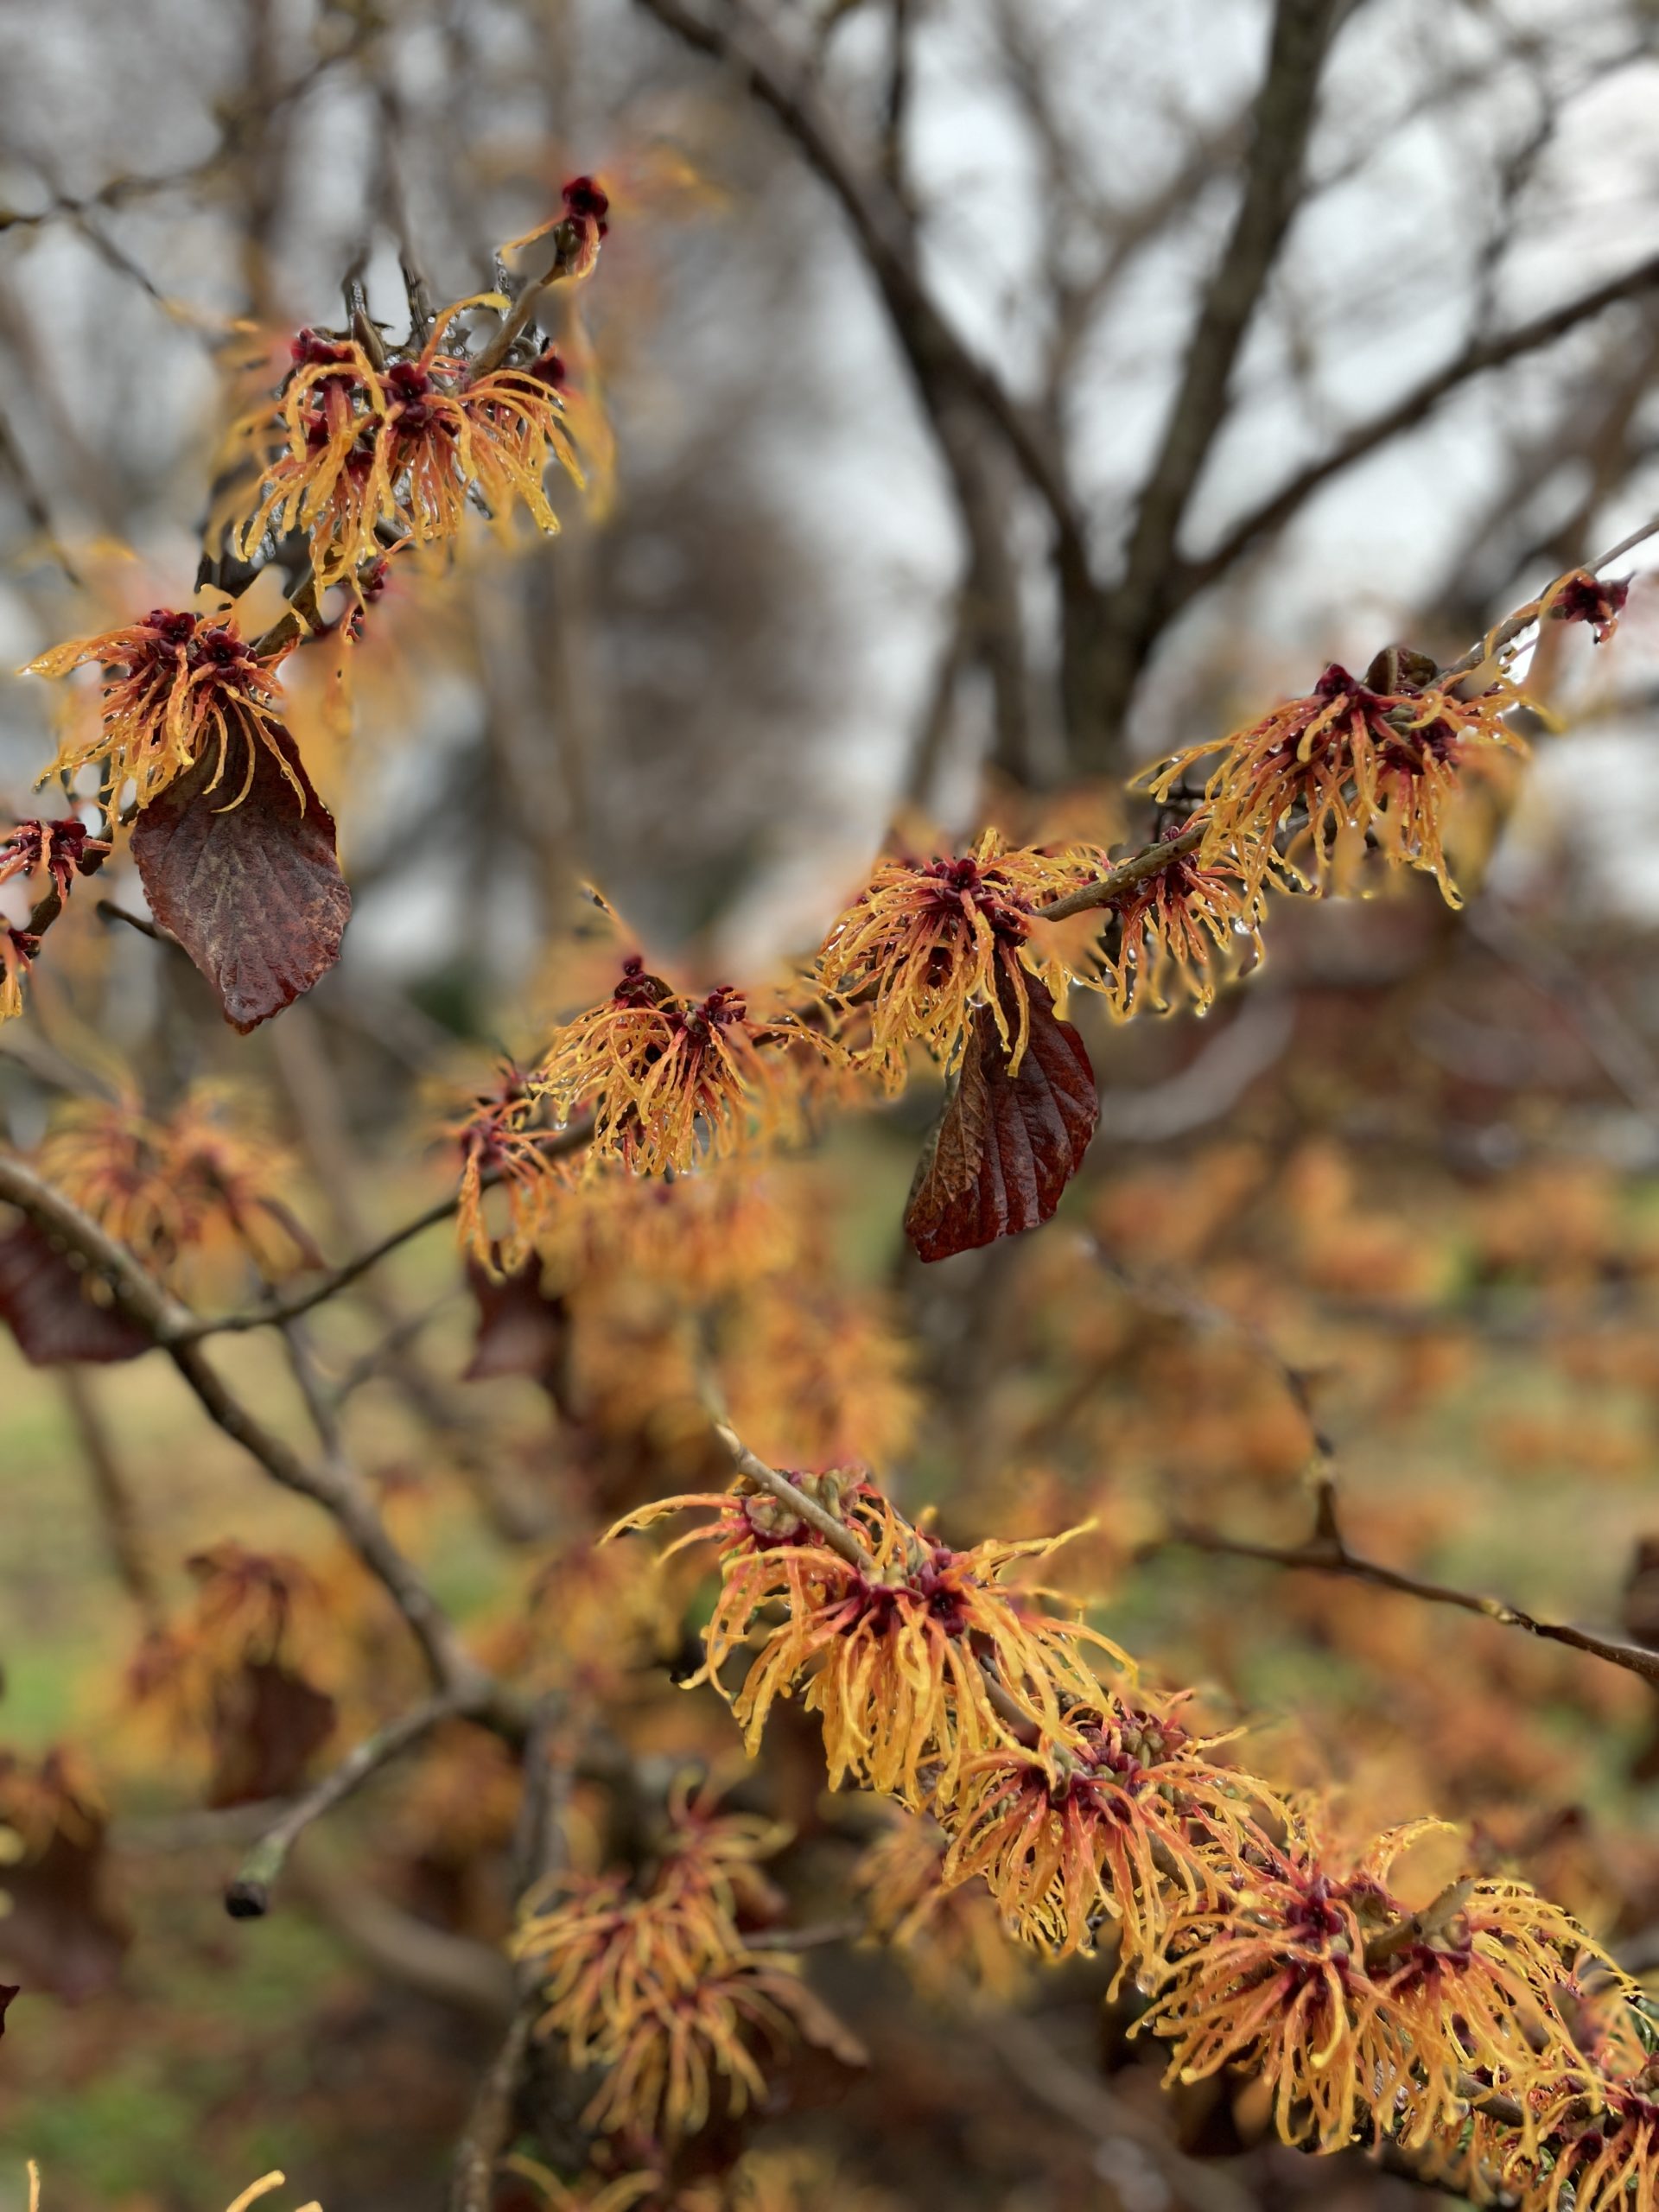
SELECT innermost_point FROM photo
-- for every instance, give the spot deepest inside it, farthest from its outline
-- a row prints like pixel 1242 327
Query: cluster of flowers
pixel 638 1290
pixel 654 1985
pixel 1293 803
pixel 366 451
pixel 1483 2032
pixel 362 453
pixel 951 1937
pixel 254 1612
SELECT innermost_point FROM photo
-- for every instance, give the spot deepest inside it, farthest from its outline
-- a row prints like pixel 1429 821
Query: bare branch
pixel 173 1326
pixel 457 1970
pixel 1105 662
pixel 108 911
pixel 1524 617
pixel 931 346
pixel 839 1537
pixel 275 1310
pixel 538 1852
pixel 248 1897
pixel 819 1936
pixel 1329 1554
pixel 1478 357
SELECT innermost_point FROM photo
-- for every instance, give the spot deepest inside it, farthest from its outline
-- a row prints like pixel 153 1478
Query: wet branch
pixel 1124 876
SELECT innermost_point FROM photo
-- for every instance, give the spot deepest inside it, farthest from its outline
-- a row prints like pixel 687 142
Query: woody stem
pixel 839 1537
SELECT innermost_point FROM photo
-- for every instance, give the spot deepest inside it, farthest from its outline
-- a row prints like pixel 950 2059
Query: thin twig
pixel 457 1970
pixel 173 1327
pixel 248 1897
pixel 1124 876
pixel 1151 857
pixel 1477 358
pixel 818 1938
pixel 739 38
pixel 836 1533
pixel 388 1347
pixel 118 1510
pixel 1330 1556
pixel 1272 174
pixel 108 911
pixel 274 1311
pixel 1524 617
pixel 490 2121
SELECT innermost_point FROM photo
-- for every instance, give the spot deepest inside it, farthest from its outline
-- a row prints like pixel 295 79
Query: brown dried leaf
pixel 1007 1144
pixel 55 1310
pixel 521 1330
pixel 253 891
pixel 268 1723
pixel 60 1935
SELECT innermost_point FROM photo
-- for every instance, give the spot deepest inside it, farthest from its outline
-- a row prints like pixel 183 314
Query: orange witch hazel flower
pixel 61 850
pixel 54 1795
pixel 925 941
pixel 359 455
pixel 656 1985
pixel 501 1136
pixel 703 1236
pixel 821 1376
pixel 178 688
pixel 672 1079
pixel 1582 596
pixel 892 1647
pixel 253 1612
pixel 200 1177
pixel 1127 1819
pixel 1591 2140
pixel 1362 2016
pixel 1191 926
pixel 951 1940
pixel 1380 758
pixel 577 230
pixel 362 451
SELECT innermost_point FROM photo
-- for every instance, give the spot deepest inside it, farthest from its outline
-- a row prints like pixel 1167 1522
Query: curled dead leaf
pixel 1008 1142
pixel 250 887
